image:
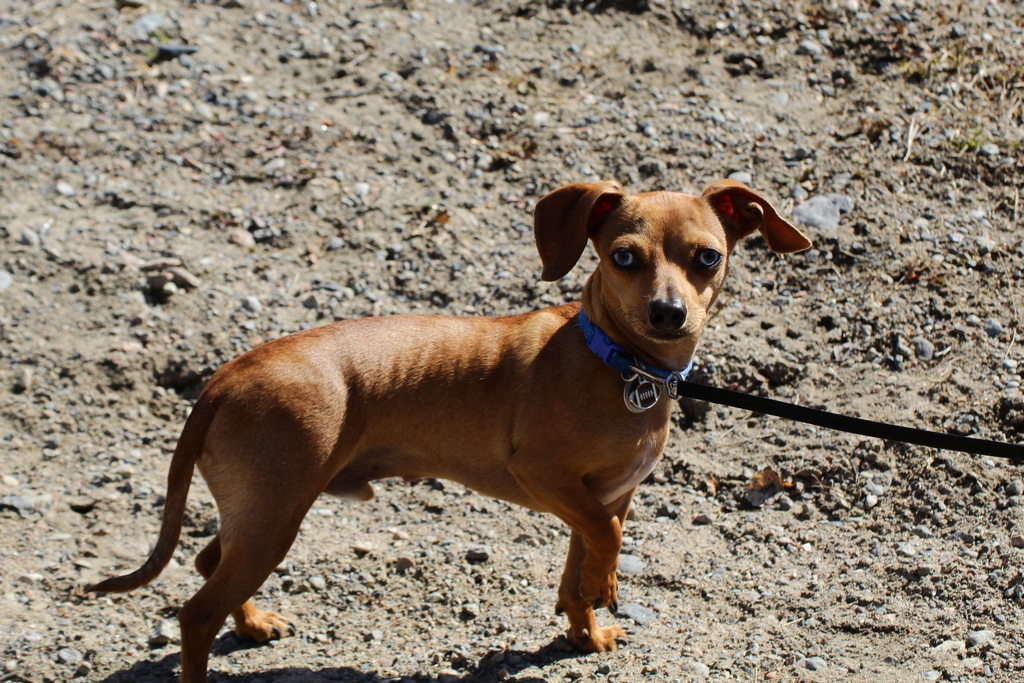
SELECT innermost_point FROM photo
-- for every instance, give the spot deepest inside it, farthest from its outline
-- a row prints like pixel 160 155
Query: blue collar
pixel 613 355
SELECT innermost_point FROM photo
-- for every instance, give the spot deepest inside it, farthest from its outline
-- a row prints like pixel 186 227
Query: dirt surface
pixel 162 210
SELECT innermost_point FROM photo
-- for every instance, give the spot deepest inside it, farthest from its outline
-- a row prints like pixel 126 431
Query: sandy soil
pixel 183 181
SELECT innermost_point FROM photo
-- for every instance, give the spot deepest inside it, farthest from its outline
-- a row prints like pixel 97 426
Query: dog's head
pixel 663 255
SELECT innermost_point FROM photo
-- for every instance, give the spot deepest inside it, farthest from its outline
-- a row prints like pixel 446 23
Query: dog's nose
pixel 667 316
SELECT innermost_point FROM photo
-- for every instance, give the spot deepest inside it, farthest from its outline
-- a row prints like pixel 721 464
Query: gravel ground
pixel 185 180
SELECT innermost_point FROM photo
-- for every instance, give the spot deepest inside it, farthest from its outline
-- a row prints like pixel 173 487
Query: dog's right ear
pixel 566 218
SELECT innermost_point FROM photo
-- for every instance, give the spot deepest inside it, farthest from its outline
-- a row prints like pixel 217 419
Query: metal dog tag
pixel 640 394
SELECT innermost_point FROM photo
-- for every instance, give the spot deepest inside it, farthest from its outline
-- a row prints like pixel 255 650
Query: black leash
pixel 854 425
pixel 645 383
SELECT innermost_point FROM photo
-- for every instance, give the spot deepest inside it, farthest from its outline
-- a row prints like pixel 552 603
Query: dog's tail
pixel 179 479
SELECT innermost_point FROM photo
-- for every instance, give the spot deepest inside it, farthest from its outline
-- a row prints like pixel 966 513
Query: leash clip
pixel 643 388
pixel 672 384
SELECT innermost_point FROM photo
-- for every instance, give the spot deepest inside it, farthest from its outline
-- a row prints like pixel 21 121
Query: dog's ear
pixel 565 218
pixel 742 211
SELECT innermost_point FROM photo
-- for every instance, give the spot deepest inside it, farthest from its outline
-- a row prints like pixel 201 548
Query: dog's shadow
pixel 164 670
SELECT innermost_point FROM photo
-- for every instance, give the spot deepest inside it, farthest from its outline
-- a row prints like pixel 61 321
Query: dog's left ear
pixel 742 211
pixel 565 218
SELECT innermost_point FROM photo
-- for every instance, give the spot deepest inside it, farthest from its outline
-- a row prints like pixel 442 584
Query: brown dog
pixel 516 407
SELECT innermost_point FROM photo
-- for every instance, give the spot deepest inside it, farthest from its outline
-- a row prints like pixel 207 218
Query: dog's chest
pixel 634 469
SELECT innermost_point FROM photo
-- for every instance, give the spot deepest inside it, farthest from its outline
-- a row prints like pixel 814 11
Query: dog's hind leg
pixel 249 622
pixel 249 549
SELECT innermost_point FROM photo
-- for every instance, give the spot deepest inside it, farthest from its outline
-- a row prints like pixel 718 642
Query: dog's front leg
pixel 588 581
pixel 583 629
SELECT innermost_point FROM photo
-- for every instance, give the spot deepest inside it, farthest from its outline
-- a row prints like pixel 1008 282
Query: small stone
pixel 700 671
pixel 931 675
pixel 10 666
pixel 870 501
pixel 1015 488
pixel 779 99
pixel 630 565
pixel 985 245
pixel 814 664
pixel 925 570
pixel 823 211
pixel 478 554
pixel 809 47
pixel 159 264
pixel 24 505
pixel 878 483
pixel 902 348
pixel 484 161
pixel 23 380
pixel 145 25
pixel 993 327
pixel 798 193
pixel 68 655
pixel 29 238
pixel 470 610
pixel 274 165
pixel 157 282
pixel 541 119
pixel 950 646
pixel 242 238
pixel 361 548
pixel 703 518
pixel 1017 541
pixel 124 471
pixel 30 579
pixel 204 111
pixel 252 304
pixel 906 550
pixel 976 638
pixel 82 504
pixel 317 583
pixel 404 564
pixel 638 613
pixel 990 149
pixel 362 190
pixel 784 503
pixel 184 279
pixel 335 243
pixel 923 349
pixel 742 177
pixel 6 280
pixel 165 632
pixel 310 302
pixel 922 531
pixel 652 167
pixel 65 188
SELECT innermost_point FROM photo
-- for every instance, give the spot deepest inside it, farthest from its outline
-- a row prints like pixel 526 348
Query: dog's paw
pixel 603 639
pixel 264 626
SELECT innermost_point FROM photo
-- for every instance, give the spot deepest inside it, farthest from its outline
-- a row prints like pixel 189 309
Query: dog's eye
pixel 624 259
pixel 708 259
